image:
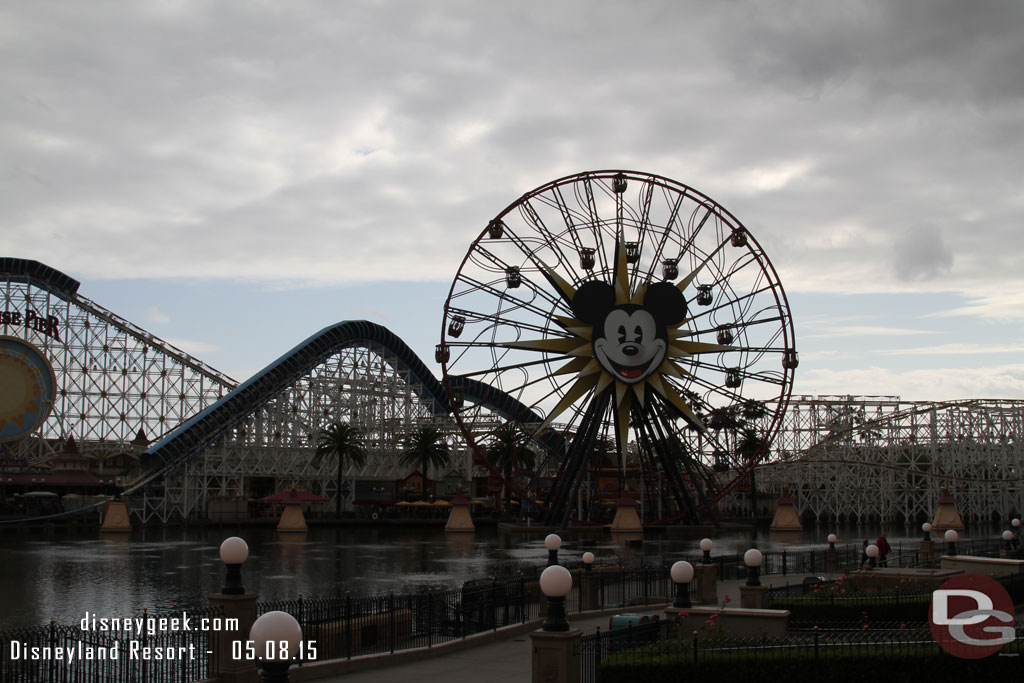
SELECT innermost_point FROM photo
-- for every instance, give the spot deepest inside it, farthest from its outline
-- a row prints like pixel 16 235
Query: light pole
pixel 831 556
pixel 682 574
pixel 588 561
pixel 555 583
pixel 553 542
pixel 872 552
pixel 1008 537
pixel 753 559
pixel 927 548
pixel 277 638
pixel 951 538
pixel 705 545
pixel 233 553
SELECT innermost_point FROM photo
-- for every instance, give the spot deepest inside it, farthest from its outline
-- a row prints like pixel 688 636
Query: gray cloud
pixel 921 254
pixel 338 142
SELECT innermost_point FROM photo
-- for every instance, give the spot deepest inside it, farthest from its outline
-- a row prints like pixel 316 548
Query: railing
pixel 661 642
pixel 848 557
pixel 351 626
pixel 663 645
pixel 161 651
pixel 595 648
pixel 343 627
pixel 825 593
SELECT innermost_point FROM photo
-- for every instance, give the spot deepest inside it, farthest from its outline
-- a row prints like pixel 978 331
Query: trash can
pixel 632 630
pixel 626 620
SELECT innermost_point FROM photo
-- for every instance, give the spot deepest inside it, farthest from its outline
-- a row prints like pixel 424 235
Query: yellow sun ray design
pixel 593 377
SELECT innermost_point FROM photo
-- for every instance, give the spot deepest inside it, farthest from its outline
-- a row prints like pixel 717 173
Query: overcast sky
pixel 233 176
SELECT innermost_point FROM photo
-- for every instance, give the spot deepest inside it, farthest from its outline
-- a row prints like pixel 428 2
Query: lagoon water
pixel 65 575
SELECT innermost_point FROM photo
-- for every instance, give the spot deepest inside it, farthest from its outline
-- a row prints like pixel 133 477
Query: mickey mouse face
pixel 630 348
pixel 630 341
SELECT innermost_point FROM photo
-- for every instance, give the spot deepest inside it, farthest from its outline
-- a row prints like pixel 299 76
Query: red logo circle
pixel 971 616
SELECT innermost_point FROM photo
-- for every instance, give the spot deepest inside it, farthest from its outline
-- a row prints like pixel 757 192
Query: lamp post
pixel 682 574
pixel 951 538
pixel 276 637
pixel 588 561
pixel 555 645
pixel 831 556
pixel 832 538
pixel 588 586
pixel 927 548
pixel 707 587
pixel 872 552
pixel 705 545
pixel 233 553
pixel 553 542
pixel 752 594
pixel 555 583
pixel 1008 537
pixel 753 559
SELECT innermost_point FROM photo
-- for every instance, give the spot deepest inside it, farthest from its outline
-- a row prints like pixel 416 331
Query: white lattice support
pixel 880 458
pixel 358 386
pixel 113 378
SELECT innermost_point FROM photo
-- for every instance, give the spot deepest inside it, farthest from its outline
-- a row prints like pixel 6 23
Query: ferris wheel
pixel 627 324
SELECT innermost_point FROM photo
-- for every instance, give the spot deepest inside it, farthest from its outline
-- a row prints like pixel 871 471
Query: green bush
pixel 824 610
pixel 1014 585
pixel 863 663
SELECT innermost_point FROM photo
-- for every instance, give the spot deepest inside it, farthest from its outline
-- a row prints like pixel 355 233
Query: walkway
pixel 503 657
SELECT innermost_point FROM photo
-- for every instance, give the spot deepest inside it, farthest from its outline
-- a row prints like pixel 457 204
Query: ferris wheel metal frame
pixel 624 312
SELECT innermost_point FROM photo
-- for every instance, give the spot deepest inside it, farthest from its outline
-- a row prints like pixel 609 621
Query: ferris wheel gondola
pixel 640 327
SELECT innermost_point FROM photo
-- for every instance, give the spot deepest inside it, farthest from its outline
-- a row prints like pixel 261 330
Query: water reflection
pixel 112 575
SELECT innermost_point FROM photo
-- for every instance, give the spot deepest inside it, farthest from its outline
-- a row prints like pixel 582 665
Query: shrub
pixel 866 661
pixel 827 609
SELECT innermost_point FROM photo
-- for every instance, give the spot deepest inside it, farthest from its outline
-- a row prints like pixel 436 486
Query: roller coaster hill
pixel 94 406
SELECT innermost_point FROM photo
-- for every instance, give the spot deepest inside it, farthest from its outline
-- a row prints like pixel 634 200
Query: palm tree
pixel 425 447
pixel 750 447
pixel 344 442
pixel 507 452
pixel 604 453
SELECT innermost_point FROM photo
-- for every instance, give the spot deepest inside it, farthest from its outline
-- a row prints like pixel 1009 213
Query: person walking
pixel 883 549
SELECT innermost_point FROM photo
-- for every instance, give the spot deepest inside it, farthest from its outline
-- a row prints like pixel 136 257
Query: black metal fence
pixel 342 627
pixel 664 645
pixel 145 648
pixel 839 602
pixel 595 648
pixel 351 626
pixel 848 557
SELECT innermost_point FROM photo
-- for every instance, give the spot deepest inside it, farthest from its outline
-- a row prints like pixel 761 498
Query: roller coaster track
pixel 66 287
pixel 893 466
pixel 844 435
pixel 205 428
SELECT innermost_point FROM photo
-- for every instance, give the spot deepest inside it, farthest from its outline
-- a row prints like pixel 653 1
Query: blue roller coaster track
pixel 199 432
pixel 192 436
